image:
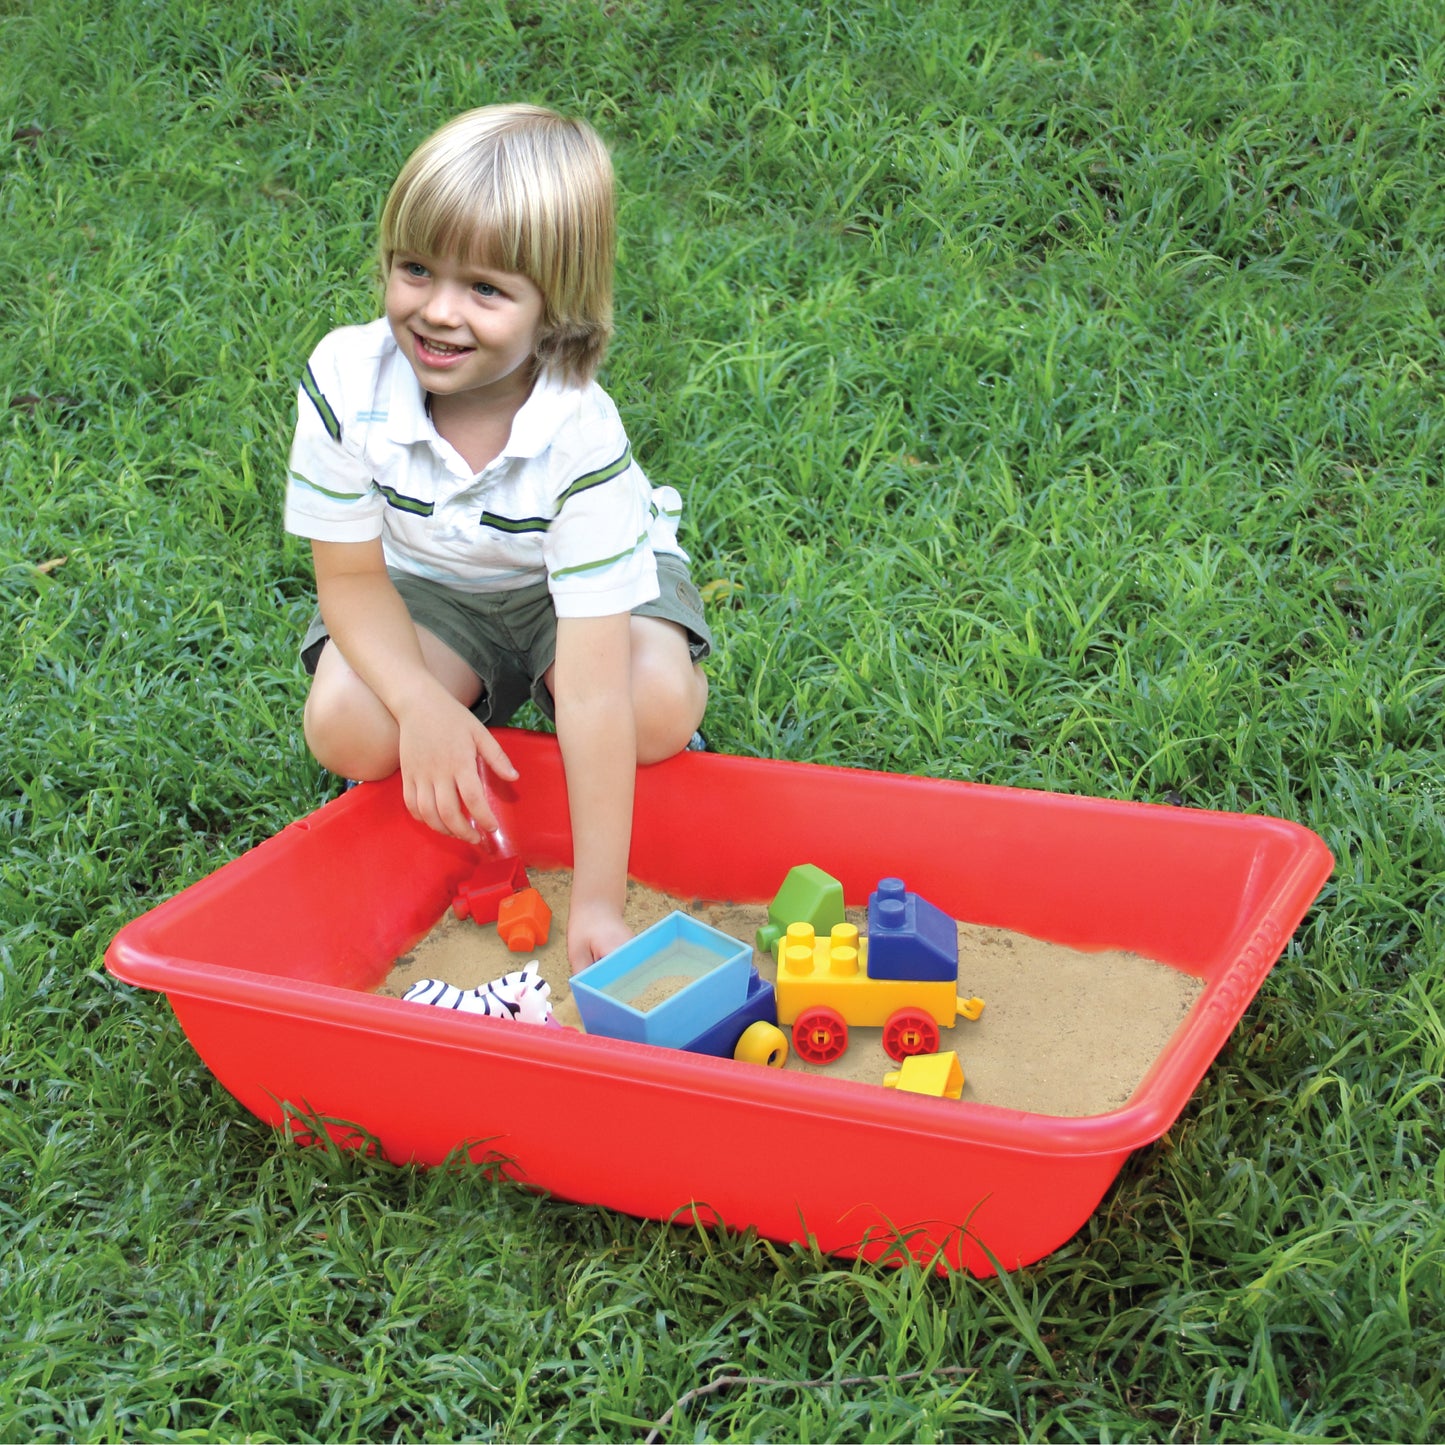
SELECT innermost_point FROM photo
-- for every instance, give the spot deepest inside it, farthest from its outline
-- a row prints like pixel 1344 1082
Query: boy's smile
pixel 468 331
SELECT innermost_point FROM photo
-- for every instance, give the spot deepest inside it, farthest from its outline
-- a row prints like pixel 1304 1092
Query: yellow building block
pixel 938 1074
pixel 831 972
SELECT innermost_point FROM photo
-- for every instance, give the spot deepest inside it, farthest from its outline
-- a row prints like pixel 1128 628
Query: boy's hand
pixel 593 931
pixel 443 748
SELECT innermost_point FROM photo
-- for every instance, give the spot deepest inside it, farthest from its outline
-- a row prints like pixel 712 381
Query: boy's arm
pixel 592 686
pixel 439 740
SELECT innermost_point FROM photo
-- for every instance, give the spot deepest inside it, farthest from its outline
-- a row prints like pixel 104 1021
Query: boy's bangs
pixel 462 225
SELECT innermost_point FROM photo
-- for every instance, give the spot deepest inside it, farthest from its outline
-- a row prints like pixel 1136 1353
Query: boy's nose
pixel 441 307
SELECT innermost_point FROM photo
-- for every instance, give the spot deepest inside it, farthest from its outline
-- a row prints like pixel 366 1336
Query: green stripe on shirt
pixel 516 526
pixel 413 505
pixel 603 562
pixel 602 474
pixel 326 491
pixel 323 407
pixel 513 525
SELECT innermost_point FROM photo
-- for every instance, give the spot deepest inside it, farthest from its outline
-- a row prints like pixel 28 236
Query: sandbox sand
pixel 1063 1032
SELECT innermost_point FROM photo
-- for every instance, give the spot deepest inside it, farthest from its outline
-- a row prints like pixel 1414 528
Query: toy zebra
pixel 523 996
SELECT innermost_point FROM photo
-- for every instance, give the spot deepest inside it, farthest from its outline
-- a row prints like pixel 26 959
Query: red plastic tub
pixel 268 965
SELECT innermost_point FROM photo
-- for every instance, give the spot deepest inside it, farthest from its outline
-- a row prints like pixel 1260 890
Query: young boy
pixel 480 530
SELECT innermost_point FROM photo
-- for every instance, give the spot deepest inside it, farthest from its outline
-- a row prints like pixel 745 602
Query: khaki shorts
pixel 509 639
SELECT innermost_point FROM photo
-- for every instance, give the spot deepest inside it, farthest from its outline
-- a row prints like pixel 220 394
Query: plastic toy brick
pixel 908 937
pixel 808 895
pixel 938 1074
pixel 492 880
pixel 613 995
pixel 524 921
pixel 830 972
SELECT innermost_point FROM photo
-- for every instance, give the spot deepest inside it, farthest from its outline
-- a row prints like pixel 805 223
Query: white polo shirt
pixel 564 503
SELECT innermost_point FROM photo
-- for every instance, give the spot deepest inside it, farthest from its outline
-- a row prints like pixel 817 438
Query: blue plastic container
pixel 607 994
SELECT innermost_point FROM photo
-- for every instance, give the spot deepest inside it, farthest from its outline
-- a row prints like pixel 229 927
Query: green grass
pixel 1055 392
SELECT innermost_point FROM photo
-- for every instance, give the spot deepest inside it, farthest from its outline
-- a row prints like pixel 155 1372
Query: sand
pixel 1063 1032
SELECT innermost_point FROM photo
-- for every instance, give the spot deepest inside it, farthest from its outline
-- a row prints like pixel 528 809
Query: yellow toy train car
pixel 823 986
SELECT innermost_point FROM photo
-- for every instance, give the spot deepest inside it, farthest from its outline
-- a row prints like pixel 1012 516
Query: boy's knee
pixel 346 738
pixel 668 703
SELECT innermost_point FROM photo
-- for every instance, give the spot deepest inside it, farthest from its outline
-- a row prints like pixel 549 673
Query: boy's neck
pixel 478 427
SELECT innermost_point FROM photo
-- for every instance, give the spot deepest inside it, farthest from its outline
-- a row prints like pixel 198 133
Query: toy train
pixel 902 978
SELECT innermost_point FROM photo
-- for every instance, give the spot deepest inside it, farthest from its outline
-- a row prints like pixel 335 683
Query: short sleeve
pixel 598 550
pixel 330 496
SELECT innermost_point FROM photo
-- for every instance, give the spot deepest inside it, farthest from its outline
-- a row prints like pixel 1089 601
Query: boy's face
pixel 468 331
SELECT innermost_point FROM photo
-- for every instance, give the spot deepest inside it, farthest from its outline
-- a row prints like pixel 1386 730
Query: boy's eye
pixel 485 288
pixel 413 268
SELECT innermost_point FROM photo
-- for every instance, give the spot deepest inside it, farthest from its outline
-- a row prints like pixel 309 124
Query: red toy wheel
pixel 820 1035
pixel 909 1031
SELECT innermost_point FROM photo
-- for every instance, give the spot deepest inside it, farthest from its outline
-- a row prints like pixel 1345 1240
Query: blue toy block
pixel 908 938
pixel 722 1038
pixel 607 993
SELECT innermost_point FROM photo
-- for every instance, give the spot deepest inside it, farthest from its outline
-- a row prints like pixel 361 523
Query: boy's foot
pixel 696 743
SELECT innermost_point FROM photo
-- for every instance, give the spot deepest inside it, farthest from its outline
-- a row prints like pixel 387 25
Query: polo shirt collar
pixel 541 416
pixel 408 420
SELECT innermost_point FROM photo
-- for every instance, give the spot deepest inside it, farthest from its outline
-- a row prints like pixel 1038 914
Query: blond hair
pixel 518 188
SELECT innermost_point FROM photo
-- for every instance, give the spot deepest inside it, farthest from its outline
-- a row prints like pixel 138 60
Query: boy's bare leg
pixel 669 690
pixel 348 728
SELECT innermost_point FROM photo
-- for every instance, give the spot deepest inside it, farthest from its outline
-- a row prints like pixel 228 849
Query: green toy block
pixel 808 895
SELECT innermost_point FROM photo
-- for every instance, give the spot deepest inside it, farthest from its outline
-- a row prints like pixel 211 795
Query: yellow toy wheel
pixel 763 1043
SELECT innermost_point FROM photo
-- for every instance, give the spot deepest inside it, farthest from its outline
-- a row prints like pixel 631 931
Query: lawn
pixel 1055 393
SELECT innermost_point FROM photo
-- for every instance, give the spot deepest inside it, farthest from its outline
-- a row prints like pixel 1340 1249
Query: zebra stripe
pixel 521 995
pixel 440 994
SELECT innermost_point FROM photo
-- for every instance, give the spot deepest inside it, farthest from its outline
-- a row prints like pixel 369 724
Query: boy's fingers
pixel 494 757
pixel 443 811
pixel 422 807
pixel 451 816
pixel 475 806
